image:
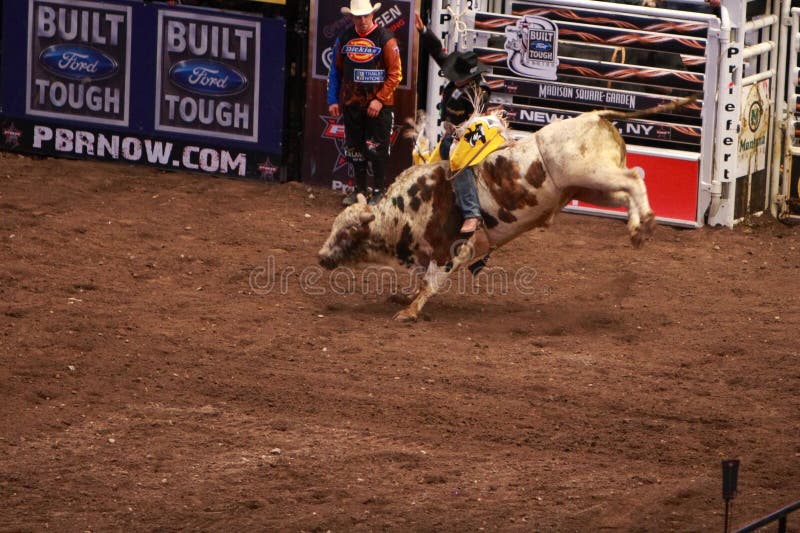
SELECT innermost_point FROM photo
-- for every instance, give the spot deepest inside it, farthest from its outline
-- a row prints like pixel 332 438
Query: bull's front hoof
pixel 405 316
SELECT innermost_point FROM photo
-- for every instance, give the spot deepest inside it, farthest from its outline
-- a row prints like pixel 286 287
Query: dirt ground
pixel 171 358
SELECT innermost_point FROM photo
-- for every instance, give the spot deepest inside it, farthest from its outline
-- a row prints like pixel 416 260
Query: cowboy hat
pixel 463 66
pixel 360 8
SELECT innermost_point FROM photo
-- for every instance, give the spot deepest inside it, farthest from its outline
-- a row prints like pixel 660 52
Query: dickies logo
pixel 207 78
pixel 361 50
pixel 77 62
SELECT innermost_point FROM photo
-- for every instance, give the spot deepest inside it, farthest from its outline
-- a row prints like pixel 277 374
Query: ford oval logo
pixel 542 46
pixel 78 62
pixel 208 78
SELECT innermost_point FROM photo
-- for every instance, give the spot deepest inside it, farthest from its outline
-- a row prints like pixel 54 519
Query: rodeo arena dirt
pixel 173 359
pixel 174 356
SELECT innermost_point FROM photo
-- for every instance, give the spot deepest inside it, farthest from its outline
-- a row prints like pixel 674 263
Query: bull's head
pixel 349 235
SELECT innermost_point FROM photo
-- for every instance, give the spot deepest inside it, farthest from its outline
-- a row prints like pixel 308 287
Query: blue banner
pixel 116 79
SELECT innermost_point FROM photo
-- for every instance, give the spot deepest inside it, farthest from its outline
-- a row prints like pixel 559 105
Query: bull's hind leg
pixel 638 194
pixel 614 199
pixel 624 188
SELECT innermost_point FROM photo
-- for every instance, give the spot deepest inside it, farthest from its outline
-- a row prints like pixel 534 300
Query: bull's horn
pixel 366 217
pixel 361 198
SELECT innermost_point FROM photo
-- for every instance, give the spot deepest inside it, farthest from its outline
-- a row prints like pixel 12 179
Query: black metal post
pixel 726 528
pixel 730 475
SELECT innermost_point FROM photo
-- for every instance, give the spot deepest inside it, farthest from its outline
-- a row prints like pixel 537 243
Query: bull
pixel 521 186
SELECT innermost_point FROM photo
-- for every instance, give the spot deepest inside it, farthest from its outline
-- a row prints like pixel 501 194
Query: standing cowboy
pixel 466 88
pixel 364 75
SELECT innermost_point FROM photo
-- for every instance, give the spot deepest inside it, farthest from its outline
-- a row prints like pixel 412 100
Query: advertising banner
pixel 672 184
pixel 171 86
pixel 78 60
pixel 754 123
pixel 107 145
pixel 679 135
pixel 207 75
pixel 532 46
pixel 325 161
pixel 594 97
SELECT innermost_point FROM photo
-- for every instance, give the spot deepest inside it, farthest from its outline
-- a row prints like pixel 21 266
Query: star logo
pixel 334 130
pixel 267 170
pixel 11 135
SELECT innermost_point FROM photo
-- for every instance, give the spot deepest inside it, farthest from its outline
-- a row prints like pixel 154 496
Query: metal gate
pixel 786 167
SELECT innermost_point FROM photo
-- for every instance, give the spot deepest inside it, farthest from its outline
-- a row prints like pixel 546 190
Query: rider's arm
pixel 432 45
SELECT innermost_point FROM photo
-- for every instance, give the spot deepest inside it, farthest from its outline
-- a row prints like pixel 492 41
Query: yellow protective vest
pixel 482 136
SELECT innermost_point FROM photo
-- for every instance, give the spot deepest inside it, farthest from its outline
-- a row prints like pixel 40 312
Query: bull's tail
pixel 663 108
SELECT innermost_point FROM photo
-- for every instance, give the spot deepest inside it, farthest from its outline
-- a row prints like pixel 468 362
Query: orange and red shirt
pixel 364 66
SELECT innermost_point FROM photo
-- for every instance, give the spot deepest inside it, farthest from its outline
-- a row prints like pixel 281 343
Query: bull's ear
pixel 366 217
pixel 361 198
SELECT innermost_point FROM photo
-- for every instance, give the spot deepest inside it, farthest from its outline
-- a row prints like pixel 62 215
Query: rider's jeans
pixel 467 193
pixel 463 184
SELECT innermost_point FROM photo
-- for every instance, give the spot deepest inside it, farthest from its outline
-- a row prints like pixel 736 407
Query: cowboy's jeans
pixel 463 184
pixel 467 193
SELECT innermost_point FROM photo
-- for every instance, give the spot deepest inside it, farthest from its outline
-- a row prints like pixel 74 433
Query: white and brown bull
pixel 520 186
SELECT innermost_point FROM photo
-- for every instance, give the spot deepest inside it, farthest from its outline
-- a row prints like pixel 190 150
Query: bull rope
pixel 459 26
pixel 618 56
